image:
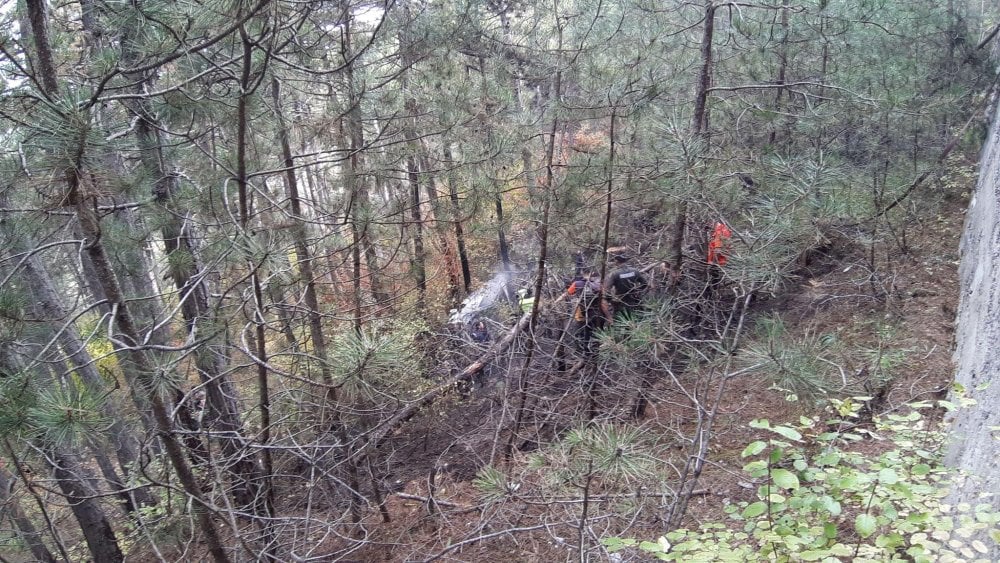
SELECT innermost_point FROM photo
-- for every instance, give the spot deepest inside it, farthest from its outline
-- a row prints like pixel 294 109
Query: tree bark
pixel 303 255
pixel 25 529
pixel 222 416
pixel 71 478
pixel 437 217
pixel 456 218
pixel 85 205
pixel 782 67
pixel 698 130
pixel 82 499
pixel 360 207
pixel 263 498
pixel 412 173
pixel 47 307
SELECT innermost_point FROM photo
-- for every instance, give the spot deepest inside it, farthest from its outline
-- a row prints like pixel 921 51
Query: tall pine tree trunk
pixel 47 307
pixel 698 128
pixel 82 500
pixel 85 204
pixel 360 206
pixel 456 218
pixel 264 498
pixel 437 218
pixel 412 173
pixel 25 529
pixel 71 478
pixel 223 415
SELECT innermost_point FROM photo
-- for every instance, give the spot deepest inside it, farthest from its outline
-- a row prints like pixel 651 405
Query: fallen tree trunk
pixel 381 432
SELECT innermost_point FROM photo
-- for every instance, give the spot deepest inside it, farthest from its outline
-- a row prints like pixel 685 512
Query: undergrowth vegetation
pixel 835 490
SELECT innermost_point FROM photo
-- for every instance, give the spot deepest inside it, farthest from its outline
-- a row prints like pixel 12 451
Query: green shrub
pixel 818 500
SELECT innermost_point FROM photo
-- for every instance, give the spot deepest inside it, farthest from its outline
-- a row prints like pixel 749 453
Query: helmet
pixel 618 253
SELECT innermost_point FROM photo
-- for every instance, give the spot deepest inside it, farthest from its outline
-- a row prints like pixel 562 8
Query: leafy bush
pixel 820 501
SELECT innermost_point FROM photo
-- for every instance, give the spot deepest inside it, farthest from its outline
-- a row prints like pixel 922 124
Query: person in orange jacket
pixel 717 244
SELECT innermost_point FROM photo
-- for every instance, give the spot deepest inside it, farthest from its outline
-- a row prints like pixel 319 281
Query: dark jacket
pixel 625 288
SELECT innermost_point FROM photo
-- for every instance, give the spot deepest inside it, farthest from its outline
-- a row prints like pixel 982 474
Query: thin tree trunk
pixel 39 502
pixel 223 415
pixel 303 254
pixel 90 225
pixel 82 499
pixel 130 335
pixel 419 257
pixel 698 128
pixel 356 277
pixel 47 306
pixel 72 479
pixel 264 501
pixel 782 67
pixel 25 529
pixel 503 247
pixel 698 124
pixel 456 218
pixel 440 229
pixel 360 200
pixel 543 237
pixel 412 173
pixel 285 311
pixel 308 279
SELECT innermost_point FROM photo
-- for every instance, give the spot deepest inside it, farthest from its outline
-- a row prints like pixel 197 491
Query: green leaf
pixel 887 476
pixel 828 459
pixel 813 554
pixel 830 505
pixel 755 510
pixel 651 547
pixel 756 469
pixel 785 479
pixel 760 423
pixel 787 432
pixel 618 544
pixel 921 469
pixel 865 525
pixel 889 510
pixel 754 448
pixel 889 541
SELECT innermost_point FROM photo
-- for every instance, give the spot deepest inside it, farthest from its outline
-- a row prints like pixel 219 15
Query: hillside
pixel 397 281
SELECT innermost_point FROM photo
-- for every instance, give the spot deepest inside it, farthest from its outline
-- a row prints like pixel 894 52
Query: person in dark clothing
pixel 479 332
pixel 589 314
pixel 625 287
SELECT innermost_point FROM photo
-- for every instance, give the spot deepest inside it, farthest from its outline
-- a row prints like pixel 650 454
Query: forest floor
pixel 902 324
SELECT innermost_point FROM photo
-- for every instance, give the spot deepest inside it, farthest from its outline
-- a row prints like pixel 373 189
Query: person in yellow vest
pixel 525 300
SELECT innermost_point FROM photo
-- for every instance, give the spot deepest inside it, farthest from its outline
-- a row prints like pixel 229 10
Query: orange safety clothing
pixel 720 235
